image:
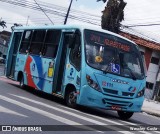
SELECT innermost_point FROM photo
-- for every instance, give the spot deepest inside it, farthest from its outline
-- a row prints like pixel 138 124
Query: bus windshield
pixel 112 54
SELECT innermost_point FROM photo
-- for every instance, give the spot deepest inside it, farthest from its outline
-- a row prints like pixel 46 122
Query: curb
pixel 5 79
pixel 151 113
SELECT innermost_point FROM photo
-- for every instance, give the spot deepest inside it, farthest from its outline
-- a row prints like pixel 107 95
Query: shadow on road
pixel 108 114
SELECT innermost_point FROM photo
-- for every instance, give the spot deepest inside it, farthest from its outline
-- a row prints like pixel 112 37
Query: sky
pixel 136 12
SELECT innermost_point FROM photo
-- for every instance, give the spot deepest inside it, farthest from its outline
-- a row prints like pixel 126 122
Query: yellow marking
pixel 50 72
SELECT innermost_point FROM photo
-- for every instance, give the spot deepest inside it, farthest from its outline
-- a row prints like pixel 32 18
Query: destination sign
pixel 109 42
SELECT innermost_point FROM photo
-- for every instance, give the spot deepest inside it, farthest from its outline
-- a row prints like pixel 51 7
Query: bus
pixel 84 65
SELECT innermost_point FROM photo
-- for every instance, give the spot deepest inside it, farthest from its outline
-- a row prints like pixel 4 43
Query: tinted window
pixel 37 41
pixel 142 53
pixel 155 60
pixel 75 54
pixel 51 43
pixel 149 85
pixel 16 41
pixel 113 54
pixel 25 41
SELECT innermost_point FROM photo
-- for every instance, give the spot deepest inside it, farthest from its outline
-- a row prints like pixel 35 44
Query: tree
pixel 3 24
pixel 113 14
pixel 15 25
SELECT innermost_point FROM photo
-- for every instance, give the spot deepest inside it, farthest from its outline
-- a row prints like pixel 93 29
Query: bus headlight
pixel 141 93
pixel 93 84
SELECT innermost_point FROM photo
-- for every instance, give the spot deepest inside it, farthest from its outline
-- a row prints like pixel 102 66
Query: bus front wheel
pixel 71 99
pixel 125 115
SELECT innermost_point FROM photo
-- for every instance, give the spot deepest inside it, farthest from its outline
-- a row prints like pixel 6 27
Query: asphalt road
pixel 31 107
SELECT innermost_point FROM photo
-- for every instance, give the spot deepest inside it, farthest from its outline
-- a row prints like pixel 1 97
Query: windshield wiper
pixel 132 74
pixel 105 71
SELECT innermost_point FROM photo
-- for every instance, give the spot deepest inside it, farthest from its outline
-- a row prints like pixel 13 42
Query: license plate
pixel 116 108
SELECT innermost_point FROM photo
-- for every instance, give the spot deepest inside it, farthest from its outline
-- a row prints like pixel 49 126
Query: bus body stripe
pixel 28 72
pixel 38 62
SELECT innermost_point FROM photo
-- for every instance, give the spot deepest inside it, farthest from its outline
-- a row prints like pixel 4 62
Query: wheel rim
pixel 72 98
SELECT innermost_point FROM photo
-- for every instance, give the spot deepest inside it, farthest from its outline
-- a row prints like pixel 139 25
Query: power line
pixel 135 32
pixel 136 19
pixel 44 12
pixel 143 25
pixel 83 18
pixel 60 12
pixel 52 11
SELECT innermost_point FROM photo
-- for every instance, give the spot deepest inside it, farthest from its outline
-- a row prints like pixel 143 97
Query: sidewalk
pixel 151 107
pixel 2 64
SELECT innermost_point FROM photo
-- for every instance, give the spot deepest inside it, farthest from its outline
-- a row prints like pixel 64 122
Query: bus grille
pixel 112 102
pixel 110 91
pixel 120 94
pixel 127 94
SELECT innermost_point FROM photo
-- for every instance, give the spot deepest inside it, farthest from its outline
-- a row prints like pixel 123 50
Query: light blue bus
pixel 85 66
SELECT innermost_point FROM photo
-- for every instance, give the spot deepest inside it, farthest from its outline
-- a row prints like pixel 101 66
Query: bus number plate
pixel 116 108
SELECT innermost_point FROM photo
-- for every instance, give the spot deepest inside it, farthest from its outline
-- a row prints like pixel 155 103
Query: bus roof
pixel 95 28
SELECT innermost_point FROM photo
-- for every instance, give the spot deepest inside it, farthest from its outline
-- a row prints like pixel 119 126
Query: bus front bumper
pixel 92 98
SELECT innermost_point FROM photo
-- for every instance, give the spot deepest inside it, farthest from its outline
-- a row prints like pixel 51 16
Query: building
pixel 151 52
pixel 4 40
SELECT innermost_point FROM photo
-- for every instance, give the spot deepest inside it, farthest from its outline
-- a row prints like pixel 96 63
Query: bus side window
pixel 37 41
pixel 75 54
pixel 25 41
pixel 51 43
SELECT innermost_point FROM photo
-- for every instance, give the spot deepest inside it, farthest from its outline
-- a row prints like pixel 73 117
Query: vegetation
pixel 2 23
pixel 113 14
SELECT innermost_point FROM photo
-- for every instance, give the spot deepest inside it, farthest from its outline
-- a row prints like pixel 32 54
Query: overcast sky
pixel 136 12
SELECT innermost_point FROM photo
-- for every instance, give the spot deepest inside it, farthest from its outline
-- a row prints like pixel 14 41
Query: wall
pixel 152 74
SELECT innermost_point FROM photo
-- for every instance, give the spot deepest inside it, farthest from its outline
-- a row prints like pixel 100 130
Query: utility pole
pixel 68 12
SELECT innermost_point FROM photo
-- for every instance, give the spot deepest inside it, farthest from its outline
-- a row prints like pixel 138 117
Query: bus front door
pixel 60 67
pixel 12 54
pixel 70 59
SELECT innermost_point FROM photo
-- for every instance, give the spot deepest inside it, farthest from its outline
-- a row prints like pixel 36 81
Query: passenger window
pixel 51 43
pixel 75 54
pixel 37 41
pixel 25 41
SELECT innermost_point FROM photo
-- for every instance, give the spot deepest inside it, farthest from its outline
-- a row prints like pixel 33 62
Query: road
pixel 1 69
pixel 31 107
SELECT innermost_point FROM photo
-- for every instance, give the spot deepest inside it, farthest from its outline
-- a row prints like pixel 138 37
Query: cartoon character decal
pixel 50 69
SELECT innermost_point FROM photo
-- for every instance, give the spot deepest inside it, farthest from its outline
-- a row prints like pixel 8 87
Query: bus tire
pixel 21 82
pixel 125 115
pixel 71 98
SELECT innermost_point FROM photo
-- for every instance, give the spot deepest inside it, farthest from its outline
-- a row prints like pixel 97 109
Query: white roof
pixel 95 28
